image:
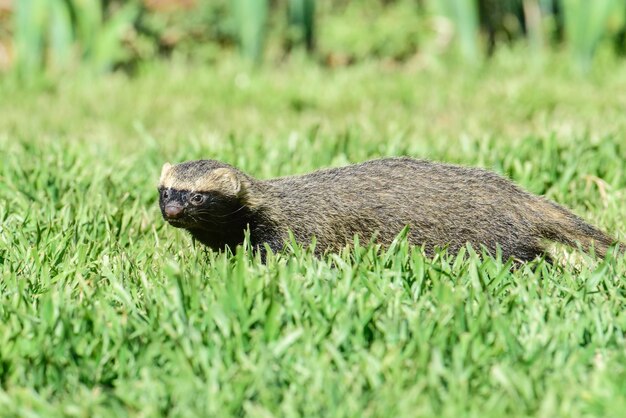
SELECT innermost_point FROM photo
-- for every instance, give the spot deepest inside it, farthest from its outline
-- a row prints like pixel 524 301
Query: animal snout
pixel 173 211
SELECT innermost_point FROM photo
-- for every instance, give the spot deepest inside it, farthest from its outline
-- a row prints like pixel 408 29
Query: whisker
pixel 235 211
pixel 210 220
pixel 208 212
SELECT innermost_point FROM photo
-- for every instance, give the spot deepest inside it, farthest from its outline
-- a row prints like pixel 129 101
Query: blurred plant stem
pixel 251 19
pixel 585 25
pixel 464 16
pixel 301 16
pixel 534 27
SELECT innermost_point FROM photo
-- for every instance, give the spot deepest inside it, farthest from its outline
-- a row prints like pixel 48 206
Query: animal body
pixel 443 205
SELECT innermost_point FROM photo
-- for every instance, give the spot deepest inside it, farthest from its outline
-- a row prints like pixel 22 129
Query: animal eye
pixel 197 199
pixel 165 194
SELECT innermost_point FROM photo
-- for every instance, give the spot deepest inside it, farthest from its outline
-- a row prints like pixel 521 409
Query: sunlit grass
pixel 106 311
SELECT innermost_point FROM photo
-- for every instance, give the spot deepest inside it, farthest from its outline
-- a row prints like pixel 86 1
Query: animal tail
pixel 560 225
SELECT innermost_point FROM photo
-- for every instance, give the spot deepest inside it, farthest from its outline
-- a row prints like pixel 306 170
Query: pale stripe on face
pixel 222 180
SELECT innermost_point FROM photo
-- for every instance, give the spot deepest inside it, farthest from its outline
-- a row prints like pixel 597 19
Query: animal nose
pixel 173 211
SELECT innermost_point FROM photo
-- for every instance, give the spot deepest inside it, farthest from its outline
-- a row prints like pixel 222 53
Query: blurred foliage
pixel 587 22
pixel 352 32
pixel 464 15
pixel 250 17
pixel 203 27
pixel 302 23
pixel 54 35
pixel 5 35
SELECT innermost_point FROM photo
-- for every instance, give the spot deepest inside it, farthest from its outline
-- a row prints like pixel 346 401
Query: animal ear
pixel 228 180
pixel 167 167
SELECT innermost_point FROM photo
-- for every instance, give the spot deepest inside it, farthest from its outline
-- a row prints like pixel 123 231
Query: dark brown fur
pixel 444 205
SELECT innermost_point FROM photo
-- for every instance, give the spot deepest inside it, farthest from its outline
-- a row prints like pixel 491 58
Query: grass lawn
pixel 106 311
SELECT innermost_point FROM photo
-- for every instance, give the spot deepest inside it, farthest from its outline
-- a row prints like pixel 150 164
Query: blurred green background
pixel 56 36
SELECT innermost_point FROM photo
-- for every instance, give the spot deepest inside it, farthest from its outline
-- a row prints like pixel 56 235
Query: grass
pixel 105 311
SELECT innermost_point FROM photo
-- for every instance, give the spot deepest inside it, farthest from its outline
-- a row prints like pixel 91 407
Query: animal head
pixel 200 194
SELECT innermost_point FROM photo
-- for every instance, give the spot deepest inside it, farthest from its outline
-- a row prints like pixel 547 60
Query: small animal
pixel 443 205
